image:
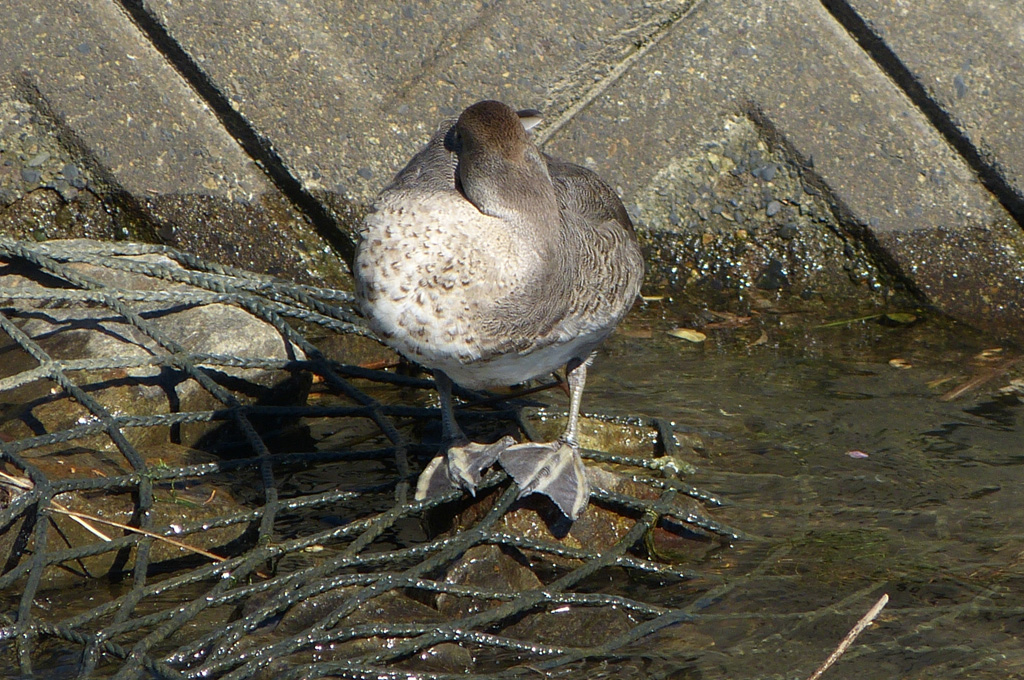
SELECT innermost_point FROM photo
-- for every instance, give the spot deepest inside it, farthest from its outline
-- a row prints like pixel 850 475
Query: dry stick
pixel 178 544
pixel 84 519
pixel 851 636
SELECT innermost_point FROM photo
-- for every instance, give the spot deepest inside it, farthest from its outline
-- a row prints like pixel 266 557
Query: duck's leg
pixel 461 462
pixel 555 469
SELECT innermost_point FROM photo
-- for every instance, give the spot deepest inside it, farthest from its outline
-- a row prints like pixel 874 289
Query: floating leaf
pixel 902 318
pixel 900 363
pixel 857 454
pixel 688 334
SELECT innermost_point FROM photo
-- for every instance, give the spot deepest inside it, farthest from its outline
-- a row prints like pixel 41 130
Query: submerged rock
pixel 78 376
pixel 127 369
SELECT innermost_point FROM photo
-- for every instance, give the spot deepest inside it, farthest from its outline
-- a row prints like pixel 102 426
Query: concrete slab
pixel 967 61
pixel 92 94
pixel 349 91
pixel 757 143
pixel 893 183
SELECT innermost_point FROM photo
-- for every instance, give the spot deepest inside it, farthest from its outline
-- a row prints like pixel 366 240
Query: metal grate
pixel 312 561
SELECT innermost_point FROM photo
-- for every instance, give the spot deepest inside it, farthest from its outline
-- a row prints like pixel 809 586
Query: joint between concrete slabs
pixel 875 46
pixel 256 145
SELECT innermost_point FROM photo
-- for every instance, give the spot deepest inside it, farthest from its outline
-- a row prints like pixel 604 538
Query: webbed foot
pixel 463 464
pixel 554 469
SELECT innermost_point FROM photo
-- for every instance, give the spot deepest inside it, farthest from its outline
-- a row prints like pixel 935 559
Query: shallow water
pixel 853 477
pixel 838 452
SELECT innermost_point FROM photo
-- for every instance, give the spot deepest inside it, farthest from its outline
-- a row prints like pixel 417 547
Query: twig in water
pixel 851 636
pixel 979 380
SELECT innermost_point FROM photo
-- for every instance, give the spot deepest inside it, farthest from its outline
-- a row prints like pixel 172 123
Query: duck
pixel 491 263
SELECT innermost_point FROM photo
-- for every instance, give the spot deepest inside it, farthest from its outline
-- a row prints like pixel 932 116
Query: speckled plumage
pixel 491 262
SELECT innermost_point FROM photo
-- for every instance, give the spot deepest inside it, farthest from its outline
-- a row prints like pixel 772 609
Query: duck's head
pixel 499 169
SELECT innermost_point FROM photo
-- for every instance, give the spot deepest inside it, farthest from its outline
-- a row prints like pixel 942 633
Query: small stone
pixel 70 171
pixel 768 172
pixel 772 209
pixel 39 159
pixel 64 188
pixel 30 175
pixel 365 173
pixel 811 190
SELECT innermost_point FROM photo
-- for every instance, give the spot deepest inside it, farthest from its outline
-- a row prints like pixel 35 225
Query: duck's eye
pixel 453 140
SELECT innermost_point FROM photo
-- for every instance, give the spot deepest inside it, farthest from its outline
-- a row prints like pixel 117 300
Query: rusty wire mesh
pixel 96 590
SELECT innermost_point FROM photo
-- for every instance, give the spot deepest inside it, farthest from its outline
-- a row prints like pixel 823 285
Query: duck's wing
pixel 581 191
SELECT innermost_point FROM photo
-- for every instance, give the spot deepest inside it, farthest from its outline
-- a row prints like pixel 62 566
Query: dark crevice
pixel 872 43
pixel 258 147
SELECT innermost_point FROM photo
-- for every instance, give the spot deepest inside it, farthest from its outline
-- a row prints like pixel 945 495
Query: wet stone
pixel 30 175
pixel 389 608
pixel 773 208
pixel 774 277
pixel 788 231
